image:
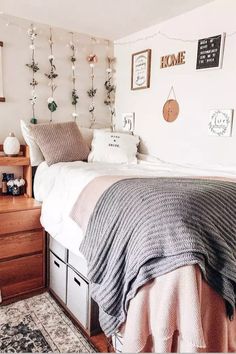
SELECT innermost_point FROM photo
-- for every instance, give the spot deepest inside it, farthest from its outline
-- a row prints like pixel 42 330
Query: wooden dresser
pixel 22 247
pixel 22 238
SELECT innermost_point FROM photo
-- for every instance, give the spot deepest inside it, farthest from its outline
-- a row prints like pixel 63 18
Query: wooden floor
pixel 101 343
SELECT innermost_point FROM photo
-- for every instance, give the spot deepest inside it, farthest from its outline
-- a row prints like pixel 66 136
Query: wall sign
pixel 220 122
pixel 210 52
pixel 2 99
pixel 141 68
pixel 171 107
pixel 172 60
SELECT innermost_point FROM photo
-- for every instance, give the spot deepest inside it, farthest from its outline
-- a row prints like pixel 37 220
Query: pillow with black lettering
pixel 113 147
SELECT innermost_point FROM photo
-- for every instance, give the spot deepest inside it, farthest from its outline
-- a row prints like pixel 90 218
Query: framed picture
pixel 210 52
pixel 141 69
pixel 220 122
pixel 2 99
pixel 128 120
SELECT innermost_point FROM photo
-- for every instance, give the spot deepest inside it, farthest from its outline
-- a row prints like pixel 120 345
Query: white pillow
pixel 36 156
pixel 113 147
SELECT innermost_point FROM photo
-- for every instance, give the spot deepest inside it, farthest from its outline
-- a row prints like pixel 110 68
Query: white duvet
pixel 59 186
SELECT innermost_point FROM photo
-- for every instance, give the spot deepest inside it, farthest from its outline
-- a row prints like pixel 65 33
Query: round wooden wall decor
pixel 171 110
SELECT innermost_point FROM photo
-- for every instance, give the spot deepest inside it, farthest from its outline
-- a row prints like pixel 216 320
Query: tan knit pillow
pixel 60 142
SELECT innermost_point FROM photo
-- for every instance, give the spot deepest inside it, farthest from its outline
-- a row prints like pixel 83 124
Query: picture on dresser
pixel 2 98
pixel 141 70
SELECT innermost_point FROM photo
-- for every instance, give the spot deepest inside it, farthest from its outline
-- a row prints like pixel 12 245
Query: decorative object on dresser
pixel 210 52
pixel 2 98
pixel 69 284
pixel 173 60
pixel 141 70
pixel 22 248
pixel 171 107
pixel 220 122
pixel 11 145
pixel 22 160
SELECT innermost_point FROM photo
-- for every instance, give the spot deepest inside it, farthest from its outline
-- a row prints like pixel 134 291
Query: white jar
pixel 11 145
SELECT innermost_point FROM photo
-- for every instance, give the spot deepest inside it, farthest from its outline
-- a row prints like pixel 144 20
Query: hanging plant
pixel 110 90
pixel 52 75
pixel 74 94
pixel 34 67
pixel 92 59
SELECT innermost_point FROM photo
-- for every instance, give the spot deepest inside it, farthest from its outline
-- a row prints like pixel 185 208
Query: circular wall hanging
pixel 170 110
pixel 171 107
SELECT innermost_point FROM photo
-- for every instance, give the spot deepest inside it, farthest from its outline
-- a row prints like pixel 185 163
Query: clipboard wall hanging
pixel 171 107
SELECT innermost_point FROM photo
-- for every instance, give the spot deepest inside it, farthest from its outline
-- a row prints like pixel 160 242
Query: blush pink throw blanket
pixel 176 312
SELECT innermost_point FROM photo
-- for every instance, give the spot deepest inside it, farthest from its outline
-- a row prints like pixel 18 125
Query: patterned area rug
pixel 38 325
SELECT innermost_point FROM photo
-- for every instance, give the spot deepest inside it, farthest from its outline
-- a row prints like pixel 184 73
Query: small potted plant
pixel 17 186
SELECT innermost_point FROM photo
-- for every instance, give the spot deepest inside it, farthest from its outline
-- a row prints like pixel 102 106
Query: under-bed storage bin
pixel 58 249
pixel 58 277
pixel 78 263
pixel 77 297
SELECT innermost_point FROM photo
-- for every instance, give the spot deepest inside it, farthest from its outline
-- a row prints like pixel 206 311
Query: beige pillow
pixel 60 142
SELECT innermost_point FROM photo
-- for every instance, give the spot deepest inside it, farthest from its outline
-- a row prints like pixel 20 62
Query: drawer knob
pixel 77 282
pixel 57 264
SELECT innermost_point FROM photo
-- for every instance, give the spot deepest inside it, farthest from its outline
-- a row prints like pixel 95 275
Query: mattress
pixel 59 186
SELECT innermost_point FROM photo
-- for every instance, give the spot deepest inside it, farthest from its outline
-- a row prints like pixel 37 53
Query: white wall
pixel 16 77
pixel 186 139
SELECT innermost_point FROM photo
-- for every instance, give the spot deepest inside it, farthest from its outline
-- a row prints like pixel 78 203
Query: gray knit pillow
pixel 60 142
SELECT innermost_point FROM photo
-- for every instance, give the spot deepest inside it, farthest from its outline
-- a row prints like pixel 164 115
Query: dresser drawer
pixel 77 297
pixel 21 275
pixel 18 221
pixel 58 277
pixel 21 244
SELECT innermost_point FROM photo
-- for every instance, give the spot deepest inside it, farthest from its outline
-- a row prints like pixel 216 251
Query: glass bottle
pixel 4 184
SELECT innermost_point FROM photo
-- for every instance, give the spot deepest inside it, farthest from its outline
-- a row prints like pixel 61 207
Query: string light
pixel 9 22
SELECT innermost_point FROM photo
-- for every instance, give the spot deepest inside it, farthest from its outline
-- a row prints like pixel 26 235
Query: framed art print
pixel 220 122
pixel 141 70
pixel 2 99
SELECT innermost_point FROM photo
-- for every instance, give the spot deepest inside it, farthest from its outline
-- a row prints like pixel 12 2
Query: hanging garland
pixel 110 90
pixel 92 60
pixel 52 75
pixel 33 66
pixel 74 95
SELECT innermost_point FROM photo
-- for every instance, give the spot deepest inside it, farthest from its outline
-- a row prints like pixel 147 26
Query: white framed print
pixel 2 99
pixel 220 122
pixel 141 70
pixel 128 121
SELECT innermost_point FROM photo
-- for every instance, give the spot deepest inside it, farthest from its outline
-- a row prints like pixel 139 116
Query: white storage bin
pixel 58 271
pixel 77 297
pixel 58 249
pixel 78 263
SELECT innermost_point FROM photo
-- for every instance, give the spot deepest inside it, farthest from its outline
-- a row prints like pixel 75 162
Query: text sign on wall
pixel 210 52
pixel 172 60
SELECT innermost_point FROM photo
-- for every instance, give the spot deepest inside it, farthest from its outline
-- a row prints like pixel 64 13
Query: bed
pixel 177 311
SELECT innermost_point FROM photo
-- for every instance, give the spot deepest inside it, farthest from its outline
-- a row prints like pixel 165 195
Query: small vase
pixel 15 190
pixel 11 145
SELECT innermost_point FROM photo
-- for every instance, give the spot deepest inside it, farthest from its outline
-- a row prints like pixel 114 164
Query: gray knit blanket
pixel 142 228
